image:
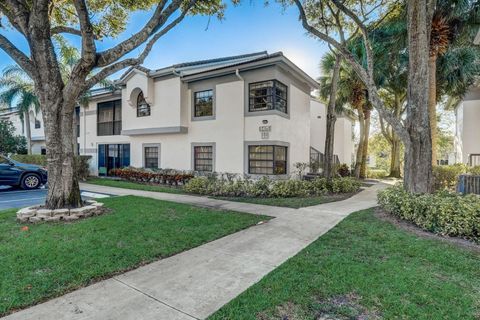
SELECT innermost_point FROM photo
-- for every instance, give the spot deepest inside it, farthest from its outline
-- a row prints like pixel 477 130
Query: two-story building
pixel 248 114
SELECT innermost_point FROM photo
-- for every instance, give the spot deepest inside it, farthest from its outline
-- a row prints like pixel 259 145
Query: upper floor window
pixel 268 95
pixel 38 124
pixel 203 103
pixel 109 118
pixel 267 159
pixel 143 108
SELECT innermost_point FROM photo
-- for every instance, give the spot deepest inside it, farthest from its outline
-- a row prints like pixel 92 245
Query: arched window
pixel 143 108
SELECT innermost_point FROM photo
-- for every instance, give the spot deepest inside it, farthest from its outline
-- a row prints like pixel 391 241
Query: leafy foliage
pixel 163 176
pixel 9 142
pixel 82 162
pixel 443 212
pixel 268 188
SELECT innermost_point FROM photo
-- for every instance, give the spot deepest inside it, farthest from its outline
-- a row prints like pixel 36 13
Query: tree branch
pixel 111 69
pixel 365 77
pixel 89 49
pixel 18 56
pixel 69 30
pixel 157 20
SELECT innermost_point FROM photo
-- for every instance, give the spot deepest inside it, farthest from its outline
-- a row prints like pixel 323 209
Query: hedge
pixel 83 167
pixel 165 176
pixel 444 212
pixel 265 187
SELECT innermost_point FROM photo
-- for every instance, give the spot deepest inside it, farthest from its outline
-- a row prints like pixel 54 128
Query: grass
pixel 134 185
pixel 366 268
pixel 50 259
pixel 294 202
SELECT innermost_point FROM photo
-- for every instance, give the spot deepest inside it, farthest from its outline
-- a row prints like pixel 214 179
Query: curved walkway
pixel 197 282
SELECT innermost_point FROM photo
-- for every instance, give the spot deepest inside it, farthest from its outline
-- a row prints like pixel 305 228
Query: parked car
pixel 26 176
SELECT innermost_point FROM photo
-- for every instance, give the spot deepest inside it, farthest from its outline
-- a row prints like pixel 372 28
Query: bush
pixel 265 187
pixel 376 173
pixel 446 177
pixel 443 212
pixel 343 170
pixel 82 162
pixel 37 159
pixel 162 176
pixel 344 185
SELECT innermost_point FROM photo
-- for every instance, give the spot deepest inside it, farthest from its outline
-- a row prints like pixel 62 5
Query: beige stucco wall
pixel 467 140
pixel 230 129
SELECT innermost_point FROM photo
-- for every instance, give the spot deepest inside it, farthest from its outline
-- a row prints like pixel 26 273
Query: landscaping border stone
pixel 38 214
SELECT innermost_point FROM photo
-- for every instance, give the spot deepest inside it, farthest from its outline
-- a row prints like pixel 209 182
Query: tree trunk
pixel 432 104
pixel 358 157
pixel 366 134
pixel 63 187
pixel 395 158
pixel 418 148
pixel 28 132
pixel 331 119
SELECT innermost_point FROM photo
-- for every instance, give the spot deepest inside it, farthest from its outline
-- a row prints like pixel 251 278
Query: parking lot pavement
pixel 18 198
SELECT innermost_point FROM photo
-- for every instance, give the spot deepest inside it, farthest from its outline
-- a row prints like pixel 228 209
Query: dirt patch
pixel 342 307
pixel 410 227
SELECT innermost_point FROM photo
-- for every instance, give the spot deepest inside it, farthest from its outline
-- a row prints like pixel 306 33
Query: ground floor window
pixel 268 159
pixel 112 156
pixel 151 157
pixel 203 158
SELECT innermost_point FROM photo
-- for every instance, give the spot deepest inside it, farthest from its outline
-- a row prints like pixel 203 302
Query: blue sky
pixel 247 28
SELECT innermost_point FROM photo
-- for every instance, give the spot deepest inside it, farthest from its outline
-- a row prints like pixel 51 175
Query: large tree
pixel 39 21
pixel 454 24
pixel 415 131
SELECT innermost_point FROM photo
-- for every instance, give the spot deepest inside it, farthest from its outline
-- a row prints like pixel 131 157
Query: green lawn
pixel 295 202
pixel 366 268
pixel 50 259
pixel 134 185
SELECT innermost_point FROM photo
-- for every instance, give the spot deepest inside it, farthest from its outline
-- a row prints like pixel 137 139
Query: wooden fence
pixel 468 184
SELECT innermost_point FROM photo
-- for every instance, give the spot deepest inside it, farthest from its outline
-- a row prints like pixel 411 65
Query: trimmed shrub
pixel 343 170
pixel 265 187
pixel 162 176
pixel 82 162
pixel 376 173
pixel 37 159
pixel 445 177
pixel 443 212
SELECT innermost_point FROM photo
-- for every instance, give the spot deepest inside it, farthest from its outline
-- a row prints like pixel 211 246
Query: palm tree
pixel 351 95
pixel 17 92
pixel 454 24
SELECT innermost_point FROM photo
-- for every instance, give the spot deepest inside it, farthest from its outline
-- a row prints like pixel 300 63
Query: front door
pixel 112 156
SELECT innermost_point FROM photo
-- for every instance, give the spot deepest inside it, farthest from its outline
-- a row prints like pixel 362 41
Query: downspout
pixel 240 78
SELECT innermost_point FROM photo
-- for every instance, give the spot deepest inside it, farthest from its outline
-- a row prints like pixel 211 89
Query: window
pixel 203 103
pixel 268 95
pixel 43 151
pixel 151 157
pixel 143 108
pixel 38 124
pixel 203 158
pixel 4 160
pixel 267 160
pixel 109 118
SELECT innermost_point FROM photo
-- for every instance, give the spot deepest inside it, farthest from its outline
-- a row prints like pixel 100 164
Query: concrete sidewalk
pixel 197 282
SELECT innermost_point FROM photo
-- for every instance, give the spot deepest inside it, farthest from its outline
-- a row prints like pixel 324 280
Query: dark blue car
pixel 26 176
